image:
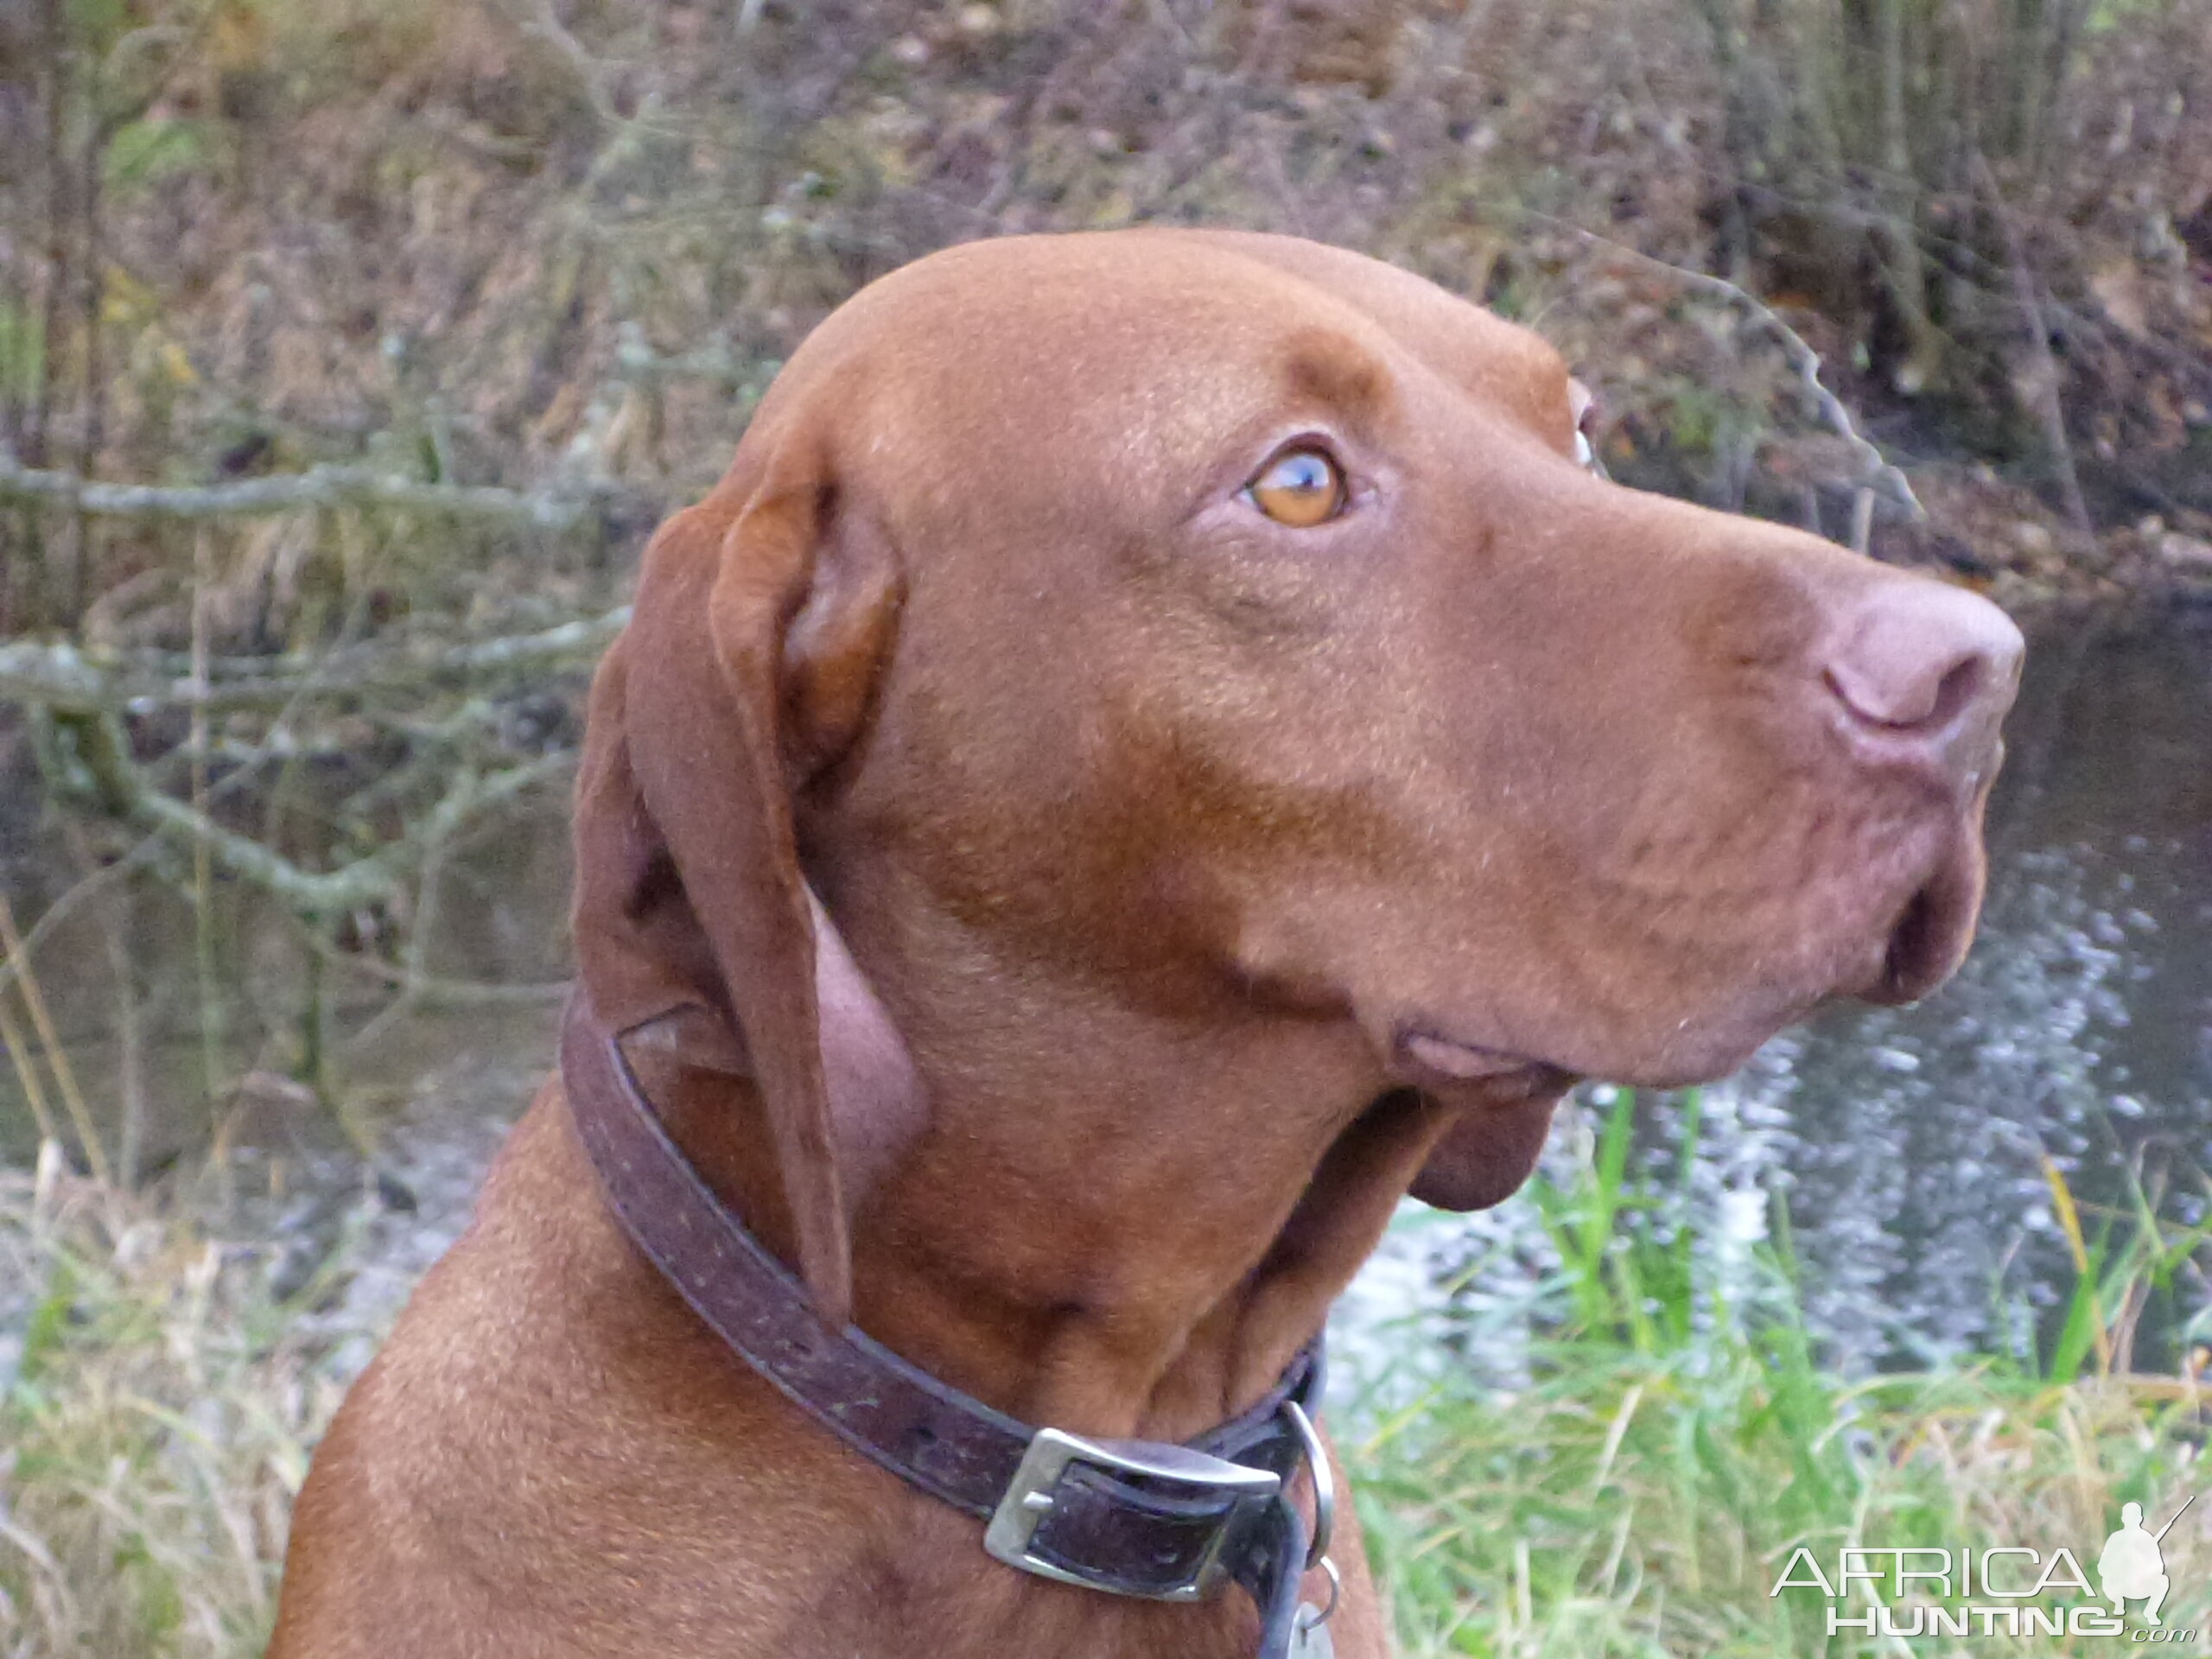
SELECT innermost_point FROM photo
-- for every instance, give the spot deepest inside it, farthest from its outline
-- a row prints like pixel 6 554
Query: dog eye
pixel 1300 488
pixel 1584 403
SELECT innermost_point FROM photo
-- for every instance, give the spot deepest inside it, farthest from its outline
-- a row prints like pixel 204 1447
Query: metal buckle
pixel 1031 1495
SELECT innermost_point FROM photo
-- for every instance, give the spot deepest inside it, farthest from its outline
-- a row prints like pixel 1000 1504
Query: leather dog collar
pixel 1131 1518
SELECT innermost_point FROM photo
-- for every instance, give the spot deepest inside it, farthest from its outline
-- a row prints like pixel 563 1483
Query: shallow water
pixel 1896 1157
pixel 1907 1147
pixel 1911 1141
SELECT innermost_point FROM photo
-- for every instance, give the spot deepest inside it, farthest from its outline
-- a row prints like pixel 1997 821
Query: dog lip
pixel 1432 1059
pixel 1456 1059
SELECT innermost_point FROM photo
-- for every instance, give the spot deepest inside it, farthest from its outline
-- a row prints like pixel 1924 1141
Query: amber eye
pixel 1300 488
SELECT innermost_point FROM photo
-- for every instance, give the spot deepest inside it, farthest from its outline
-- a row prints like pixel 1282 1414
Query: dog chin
pixel 1676 1046
pixel 1921 948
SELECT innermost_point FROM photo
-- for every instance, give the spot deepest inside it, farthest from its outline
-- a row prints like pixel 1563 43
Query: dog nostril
pixel 1956 689
pixel 1917 658
pixel 1924 704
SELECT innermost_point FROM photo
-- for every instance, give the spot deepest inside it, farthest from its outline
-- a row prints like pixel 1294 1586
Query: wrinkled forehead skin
pixel 1504 751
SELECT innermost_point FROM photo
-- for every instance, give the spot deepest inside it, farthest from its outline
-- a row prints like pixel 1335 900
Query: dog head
pixel 1198 620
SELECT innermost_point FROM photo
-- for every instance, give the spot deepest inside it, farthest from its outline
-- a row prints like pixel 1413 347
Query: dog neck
pixel 1149 1263
pixel 1120 1221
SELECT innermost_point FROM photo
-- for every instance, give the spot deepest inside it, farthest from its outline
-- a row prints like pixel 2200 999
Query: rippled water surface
pixel 1907 1147
pixel 1912 1141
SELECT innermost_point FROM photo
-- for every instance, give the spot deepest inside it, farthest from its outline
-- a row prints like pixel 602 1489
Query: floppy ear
pixel 748 664
pixel 1484 1158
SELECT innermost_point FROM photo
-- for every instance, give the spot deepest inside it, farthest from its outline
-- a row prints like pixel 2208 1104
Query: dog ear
pixel 1484 1158
pixel 749 665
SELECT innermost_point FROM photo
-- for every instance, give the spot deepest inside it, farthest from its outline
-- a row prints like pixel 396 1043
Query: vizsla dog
pixel 1157 748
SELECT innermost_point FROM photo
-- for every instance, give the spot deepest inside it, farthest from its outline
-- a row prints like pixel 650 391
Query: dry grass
pixel 156 1407
pixel 1636 1497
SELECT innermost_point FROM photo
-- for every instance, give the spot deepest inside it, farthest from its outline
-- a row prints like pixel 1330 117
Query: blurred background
pixel 349 352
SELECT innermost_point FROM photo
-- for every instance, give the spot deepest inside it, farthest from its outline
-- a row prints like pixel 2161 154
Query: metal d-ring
pixel 1325 1489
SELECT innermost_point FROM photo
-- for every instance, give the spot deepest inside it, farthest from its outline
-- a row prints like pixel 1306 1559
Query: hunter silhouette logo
pixel 2132 1567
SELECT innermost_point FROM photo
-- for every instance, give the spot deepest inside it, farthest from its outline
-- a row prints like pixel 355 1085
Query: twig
pixel 88 755
pixel 57 1058
pixel 19 1056
pixel 211 1010
pixel 432 990
pixel 418 991
pixel 1877 471
pixel 537 17
pixel 92 280
pixel 2051 406
pixel 65 679
pixel 130 1028
pixel 415 968
pixel 328 486
pixel 60 61
pixel 148 851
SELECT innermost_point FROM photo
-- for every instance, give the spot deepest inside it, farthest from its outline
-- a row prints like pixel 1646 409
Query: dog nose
pixel 1926 669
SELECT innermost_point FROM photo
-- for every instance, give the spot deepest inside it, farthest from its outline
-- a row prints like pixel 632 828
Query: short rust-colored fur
pixel 1035 879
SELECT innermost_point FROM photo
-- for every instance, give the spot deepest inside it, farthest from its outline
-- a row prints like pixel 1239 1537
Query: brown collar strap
pixel 1130 1518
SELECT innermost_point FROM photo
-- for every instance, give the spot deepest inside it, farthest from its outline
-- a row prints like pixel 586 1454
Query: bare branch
pixel 148 852
pixel 1877 469
pixel 66 680
pixel 320 486
pixel 536 18
pixel 88 756
pixel 431 991
pixel 2050 405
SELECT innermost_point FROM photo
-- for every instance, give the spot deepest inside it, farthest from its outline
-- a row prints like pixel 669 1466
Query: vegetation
pixel 1646 1484
pixel 1639 1492
pixel 157 1413
pixel 1647 1503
